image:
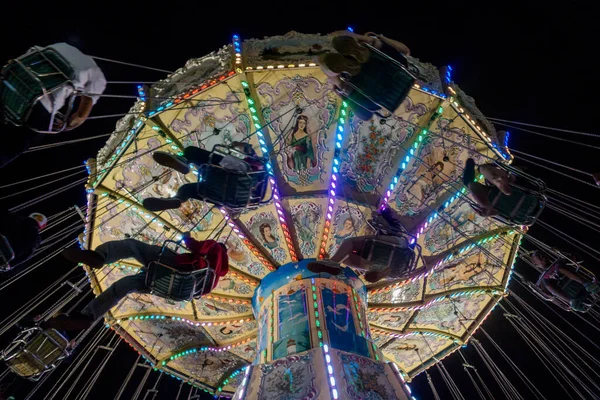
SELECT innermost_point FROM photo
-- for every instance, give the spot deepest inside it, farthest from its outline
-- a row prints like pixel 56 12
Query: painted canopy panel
pixel 402 350
pixel 375 148
pixel 299 107
pixel 441 317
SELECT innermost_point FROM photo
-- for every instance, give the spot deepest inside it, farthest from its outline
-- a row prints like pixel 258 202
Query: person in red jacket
pixel 208 253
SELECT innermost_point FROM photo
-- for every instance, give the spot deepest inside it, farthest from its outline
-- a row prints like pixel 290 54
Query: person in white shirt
pixel 88 80
pixel 88 83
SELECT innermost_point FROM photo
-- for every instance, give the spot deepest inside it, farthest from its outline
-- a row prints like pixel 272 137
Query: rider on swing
pixel 349 251
pixel 208 253
pixel 493 174
pixel 351 56
pixel 22 234
pixel 88 79
pixel 198 156
pixel 551 276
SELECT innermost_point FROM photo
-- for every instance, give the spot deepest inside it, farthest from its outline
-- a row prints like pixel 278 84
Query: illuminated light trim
pixel 339 138
pixel 226 381
pixel 316 311
pixel 241 277
pixel 482 134
pixel 211 296
pixel 182 319
pixel 331 378
pixel 448 76
pixel 237 49
pixel 142 95
pixel 241 390
pixel 124 267
pixel 276 197
pixel 195 350
pixel 404 383
pixel 281 66
pixel 435 215
pixel 505 145
pixel 514 260
pixel 432 92
pixel 166 104
pixel 404 164
pixel 494 290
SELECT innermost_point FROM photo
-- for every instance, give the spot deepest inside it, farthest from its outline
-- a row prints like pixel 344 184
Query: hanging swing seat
pixel 382 83
pixel 7 254
pixel 26 80
pixel 35 352
pixel 522 207
pixel 570 287
pixel 233 190
pixel 383 227
pixel 400 256
pixel 174 284
pixel 526 202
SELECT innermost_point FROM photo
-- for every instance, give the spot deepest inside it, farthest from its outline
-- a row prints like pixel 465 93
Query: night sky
pixel 521 63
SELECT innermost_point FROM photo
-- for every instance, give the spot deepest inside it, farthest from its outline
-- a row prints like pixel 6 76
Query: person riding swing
pixel 40 90
pixel 233 177
pixel 502 197
pixel 370 71
pixel 207 254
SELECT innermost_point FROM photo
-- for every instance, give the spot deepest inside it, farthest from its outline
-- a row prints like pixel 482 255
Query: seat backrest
pixel 41 352
pixel 170 283
pixel 7 253
pixel 383 80
pixel 27 78
pixel 572 288
pixel 400 257
pixel 231 188
pixel 522 207
pixel 206 284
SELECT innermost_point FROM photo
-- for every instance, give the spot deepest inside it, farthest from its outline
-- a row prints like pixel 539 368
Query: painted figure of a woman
pixel 346 231
pixel 301 146
pixel 269 241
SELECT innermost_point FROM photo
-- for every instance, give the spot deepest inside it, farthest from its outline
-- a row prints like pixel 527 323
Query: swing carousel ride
pixel 329 171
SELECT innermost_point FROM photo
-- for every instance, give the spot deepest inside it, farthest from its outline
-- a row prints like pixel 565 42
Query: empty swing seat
pixel 385 254
pixel 26 80
pixel 383 82
pixel 7 254
pixel 572 288
pixel 35 352
pixel 522 207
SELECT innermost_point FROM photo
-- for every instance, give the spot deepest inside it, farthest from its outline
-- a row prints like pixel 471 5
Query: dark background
pixel 524 63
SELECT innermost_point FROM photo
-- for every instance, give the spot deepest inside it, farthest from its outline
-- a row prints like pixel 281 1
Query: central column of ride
pixel 314 340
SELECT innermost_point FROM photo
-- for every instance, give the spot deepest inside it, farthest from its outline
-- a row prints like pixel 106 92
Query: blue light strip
pixel 405 161
pixel 339 137
pixel 448 76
